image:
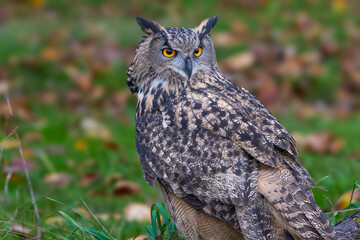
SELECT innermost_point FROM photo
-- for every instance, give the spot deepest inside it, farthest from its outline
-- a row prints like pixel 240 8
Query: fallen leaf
pixel 58 179
pixel 19 229
pixel 137 212
pixel 141 237
pixel 80 145
pixel 323 142
pixel 9 144
pixel 32 137
pixel 83 211
pixel 336 145
pixel 82 79
pixel 118 103
pixel 125 187
pixel 56 220
pixel 108 216
pixel 353 156
pixel 90 178
pixel 113 178
pixel 339 5
pixel 47 96
pixel 240 61
pixel 54 149
pixel 111 145
pixel 95 129
pixel 50 54
pixel 37 3
pixel 93 192
pixel 344 200
pixel 17 165
pixel 97 93
pixel 223 39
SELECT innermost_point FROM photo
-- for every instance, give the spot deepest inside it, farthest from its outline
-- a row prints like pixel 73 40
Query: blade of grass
pixel 33 200
pixel 93 215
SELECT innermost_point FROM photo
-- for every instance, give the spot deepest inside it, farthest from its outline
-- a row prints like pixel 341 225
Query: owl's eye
pixel 198 52
pixel 168 52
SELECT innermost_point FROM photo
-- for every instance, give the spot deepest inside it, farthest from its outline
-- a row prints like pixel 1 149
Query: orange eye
pixel 168 52
pixel 198 52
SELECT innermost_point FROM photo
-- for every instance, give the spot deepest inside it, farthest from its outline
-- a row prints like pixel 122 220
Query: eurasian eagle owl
pixel 225 164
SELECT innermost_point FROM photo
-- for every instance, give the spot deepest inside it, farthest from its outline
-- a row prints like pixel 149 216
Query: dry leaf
pixel 111 145
pixel 9 144
pixel 50 54
pixel 137 212
pixel 83 211
pixel 95 129
pixel 93 192
pixel 323 142
pixel 118 103
pixel 339 5
pixel 108 216
pixel 240 61
pixel 80 145
pixel 82 79
pixel 336 145
pixel 48 96
pixel 17 165
pixel 90 178
pixel 97 93
pixel 19 229
pixel 56 220
pixel 352 156
pixel 37 3
pixel 125 187
pixel 344 200
pixel 141 237
pixel 113 178
pixel 54 149
pixel 58 179
pixel 32 137
pixel 223 39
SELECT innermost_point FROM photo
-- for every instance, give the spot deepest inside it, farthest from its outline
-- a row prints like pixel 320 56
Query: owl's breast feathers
pixel 222 108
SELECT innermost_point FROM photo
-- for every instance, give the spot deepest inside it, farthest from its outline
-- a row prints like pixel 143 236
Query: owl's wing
pixel 234 113
pixel 272 130
pixel 215 111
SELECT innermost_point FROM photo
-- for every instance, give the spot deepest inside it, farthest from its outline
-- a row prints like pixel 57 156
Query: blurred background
pixel 63 89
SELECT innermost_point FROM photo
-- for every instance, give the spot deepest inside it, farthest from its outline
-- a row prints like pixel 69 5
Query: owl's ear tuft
pixel 206 25
pixel 149 27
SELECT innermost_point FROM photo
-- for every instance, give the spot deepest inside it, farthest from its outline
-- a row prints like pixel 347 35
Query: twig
pixel 36 210
pixel 6 186
pixel 344 210
pixel 2 142
pixel 8 99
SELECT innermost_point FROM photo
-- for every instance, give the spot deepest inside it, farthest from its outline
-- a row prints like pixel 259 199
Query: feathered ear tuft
pixel 149 27
pixel 206 26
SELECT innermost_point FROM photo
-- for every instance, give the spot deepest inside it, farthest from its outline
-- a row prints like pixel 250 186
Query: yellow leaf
pixel 8 144
pixel 50 54
pixel 80 145
pixel 37 3
pixel 339 5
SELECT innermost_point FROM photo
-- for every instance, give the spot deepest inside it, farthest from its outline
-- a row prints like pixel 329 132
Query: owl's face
pixel 172 53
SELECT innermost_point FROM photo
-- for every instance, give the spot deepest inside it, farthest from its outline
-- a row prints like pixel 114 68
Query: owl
pixel 226 166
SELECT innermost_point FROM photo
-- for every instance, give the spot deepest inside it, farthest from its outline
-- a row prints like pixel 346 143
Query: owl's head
pixel 171 54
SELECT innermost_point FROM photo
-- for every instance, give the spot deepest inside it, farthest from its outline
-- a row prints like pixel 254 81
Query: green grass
pixel 50 130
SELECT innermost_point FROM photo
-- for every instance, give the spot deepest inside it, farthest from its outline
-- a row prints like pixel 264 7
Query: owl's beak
pixel 188 67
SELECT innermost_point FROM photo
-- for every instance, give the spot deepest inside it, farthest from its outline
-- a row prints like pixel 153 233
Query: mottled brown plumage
pixel 218 153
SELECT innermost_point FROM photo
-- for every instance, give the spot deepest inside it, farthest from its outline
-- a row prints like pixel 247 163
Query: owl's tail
pixel 292 208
